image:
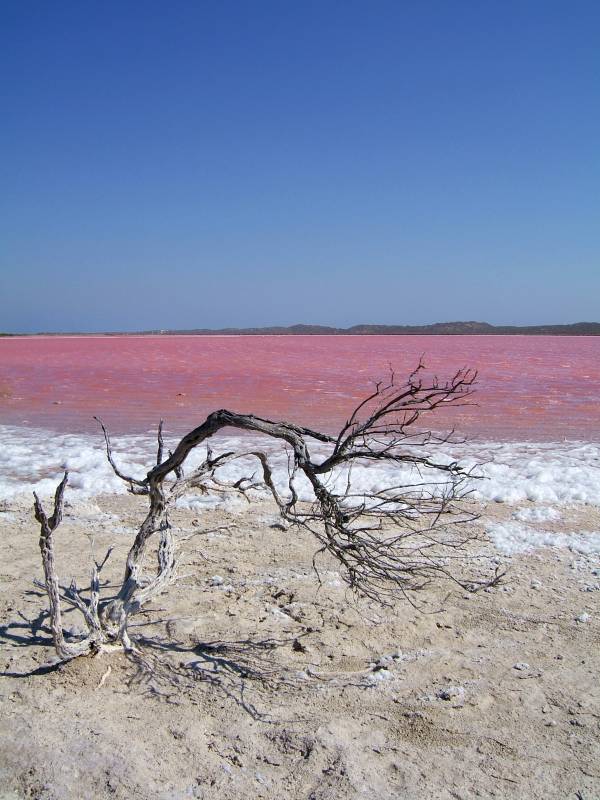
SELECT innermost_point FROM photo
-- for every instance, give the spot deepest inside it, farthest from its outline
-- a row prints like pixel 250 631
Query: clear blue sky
pixel 207 164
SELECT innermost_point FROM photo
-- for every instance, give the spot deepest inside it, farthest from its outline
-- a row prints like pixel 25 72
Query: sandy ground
pixel 254 682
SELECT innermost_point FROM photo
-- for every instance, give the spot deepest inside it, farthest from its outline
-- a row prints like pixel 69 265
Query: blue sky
pixel 208 164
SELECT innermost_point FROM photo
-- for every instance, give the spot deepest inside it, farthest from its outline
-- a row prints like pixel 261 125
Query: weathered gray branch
pixel 388 541
pixel 47 527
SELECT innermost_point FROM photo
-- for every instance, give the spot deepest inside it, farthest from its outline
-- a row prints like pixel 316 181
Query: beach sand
pixel 254 681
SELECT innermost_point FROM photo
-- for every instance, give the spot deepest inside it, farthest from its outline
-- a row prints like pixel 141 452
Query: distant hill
pixel 437 328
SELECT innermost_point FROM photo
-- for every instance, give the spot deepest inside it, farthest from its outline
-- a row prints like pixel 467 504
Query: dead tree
pixel 391 541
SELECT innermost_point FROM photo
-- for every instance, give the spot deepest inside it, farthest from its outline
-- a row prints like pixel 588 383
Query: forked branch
pixel 390 541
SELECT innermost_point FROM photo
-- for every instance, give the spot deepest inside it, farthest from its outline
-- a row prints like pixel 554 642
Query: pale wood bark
pixel 47 527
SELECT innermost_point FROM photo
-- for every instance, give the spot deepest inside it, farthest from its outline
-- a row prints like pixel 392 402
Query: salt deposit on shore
pixel 543 473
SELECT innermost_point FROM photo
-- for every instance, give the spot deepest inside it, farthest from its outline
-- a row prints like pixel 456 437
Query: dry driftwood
pixel 388 542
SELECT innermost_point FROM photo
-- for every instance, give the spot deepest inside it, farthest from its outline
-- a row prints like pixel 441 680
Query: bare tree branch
pixel 390 541
pixel 47 527
pixel 135 486
pixel 161 444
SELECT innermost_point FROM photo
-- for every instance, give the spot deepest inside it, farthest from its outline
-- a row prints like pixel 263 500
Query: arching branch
pixel 390 541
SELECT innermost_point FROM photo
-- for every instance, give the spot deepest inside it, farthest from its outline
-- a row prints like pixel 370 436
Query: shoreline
pixel 216 335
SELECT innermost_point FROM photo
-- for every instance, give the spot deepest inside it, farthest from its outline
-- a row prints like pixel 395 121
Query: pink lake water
pixel 537 388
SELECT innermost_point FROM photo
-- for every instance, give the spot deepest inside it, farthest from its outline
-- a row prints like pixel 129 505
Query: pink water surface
pixel 530 387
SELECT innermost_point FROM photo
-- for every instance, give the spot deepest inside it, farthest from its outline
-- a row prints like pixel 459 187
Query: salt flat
pixel 254 681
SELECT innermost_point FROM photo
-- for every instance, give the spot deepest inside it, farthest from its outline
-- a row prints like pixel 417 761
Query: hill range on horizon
pixel 435 329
